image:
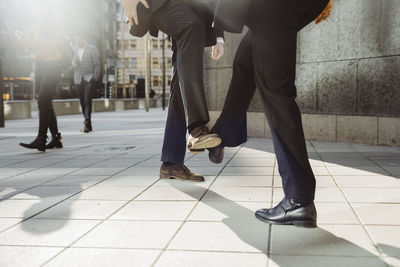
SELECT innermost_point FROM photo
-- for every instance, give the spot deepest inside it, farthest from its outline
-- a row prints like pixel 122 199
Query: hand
pixel 131 10
pixel 217 51
pixel 326 13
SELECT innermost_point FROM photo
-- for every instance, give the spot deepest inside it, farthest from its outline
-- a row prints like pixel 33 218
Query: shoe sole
pixel 169 177
pixel 196 151
pixel 209 142
pixel 304 224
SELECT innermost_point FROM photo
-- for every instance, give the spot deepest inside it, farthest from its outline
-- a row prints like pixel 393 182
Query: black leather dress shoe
pixel 39 143
pixel 216 154
pixel 289 213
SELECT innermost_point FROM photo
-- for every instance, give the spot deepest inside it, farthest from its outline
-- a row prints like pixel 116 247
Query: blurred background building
pixel 131 62
pixel 102 21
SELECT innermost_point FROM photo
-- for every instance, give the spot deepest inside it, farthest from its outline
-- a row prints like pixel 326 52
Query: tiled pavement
pixel 99 202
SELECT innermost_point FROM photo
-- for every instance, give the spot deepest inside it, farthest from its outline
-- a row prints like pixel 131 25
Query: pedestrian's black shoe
pixel 289 213
pixel 89 126
pixel 39 143
pixel 56 142
pixel 86 128
pixel 216 154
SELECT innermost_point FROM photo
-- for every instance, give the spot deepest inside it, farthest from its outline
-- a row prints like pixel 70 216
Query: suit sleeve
pixel 220 33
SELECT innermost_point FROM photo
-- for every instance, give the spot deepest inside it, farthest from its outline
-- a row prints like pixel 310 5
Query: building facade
pixel 131 61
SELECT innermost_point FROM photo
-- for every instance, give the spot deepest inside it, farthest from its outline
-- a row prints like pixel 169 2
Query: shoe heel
pixel 305 224
pixel 163 176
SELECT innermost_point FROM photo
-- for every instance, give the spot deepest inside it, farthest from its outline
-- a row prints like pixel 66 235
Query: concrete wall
pixel 14 110
pixel 22 109
pixel 347 67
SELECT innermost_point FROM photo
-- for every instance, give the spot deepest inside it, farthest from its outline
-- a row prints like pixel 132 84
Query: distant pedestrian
pixel 87 68
pixel 47 44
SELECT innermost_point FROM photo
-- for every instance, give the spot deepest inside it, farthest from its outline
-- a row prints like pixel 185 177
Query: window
pixel 169 62
pixel 155 44
pixel 126 44
pixel 119 63
pixel 133 44
pixel 126 63
pixel 156 81
pixel 133 62
pixel 155 62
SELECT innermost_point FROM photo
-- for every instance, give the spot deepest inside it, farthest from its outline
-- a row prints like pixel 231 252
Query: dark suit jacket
pixel 231 15
pixel 205 13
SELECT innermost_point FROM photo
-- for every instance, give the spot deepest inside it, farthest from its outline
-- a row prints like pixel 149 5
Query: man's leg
pixel 88 103
pixel 274 58
pixel 231 125
pixel 81 95
pixel 174 146
pixel 178 20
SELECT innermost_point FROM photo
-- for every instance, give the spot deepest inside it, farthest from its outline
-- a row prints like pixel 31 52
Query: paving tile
pixel 40 192
pixel 14 171
pixel 326 240
pixel 36 232
pixel 141 181
pixel 130 234
pixel 367 181
pixel 324 194
pixel 335 213
pixel 206 171
pixel 387 239
pixel 228 235
pixel 342 170
pixel 383 214
pixel 82 210
pixel 98 171
pixel 76 257
pixel 8 222
pixel 13 208
pixel 173 193
pixel 104 192
pixel 373 195
pixel 230 171
pixel 181 183
pixel 246 180
pixel 27 180
pixel 211 259
pixel 221 210
pixel 252 162
pixel 321 181
pixel 326 261
pixel 53 171
pixel 9 191
pixel 140 171
pixel 80 180
pixel 217 193
pixel 155 210
pixel 26 256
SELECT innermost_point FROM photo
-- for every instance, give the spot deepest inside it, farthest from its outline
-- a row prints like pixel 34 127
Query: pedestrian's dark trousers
pixel 174 146
pixel 85 97
pixel 47 74
pixel 177 19
pixel 266 59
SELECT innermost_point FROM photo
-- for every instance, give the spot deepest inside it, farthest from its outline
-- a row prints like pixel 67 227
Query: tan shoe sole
pixel 207 142
pixel 171 177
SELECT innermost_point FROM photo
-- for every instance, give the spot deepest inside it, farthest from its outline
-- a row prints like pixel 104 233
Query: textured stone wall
pixel 349 65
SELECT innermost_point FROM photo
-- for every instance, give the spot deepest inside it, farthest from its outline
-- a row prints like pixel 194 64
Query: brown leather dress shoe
pixel 201 138
pixel 179 171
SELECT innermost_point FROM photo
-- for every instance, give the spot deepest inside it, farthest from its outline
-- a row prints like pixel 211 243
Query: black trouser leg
pixel 50 75
pixel 53 126
pixel 174 146
pixel 232 124
pixel 274 58
pixel 85 98
pixel 177 20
